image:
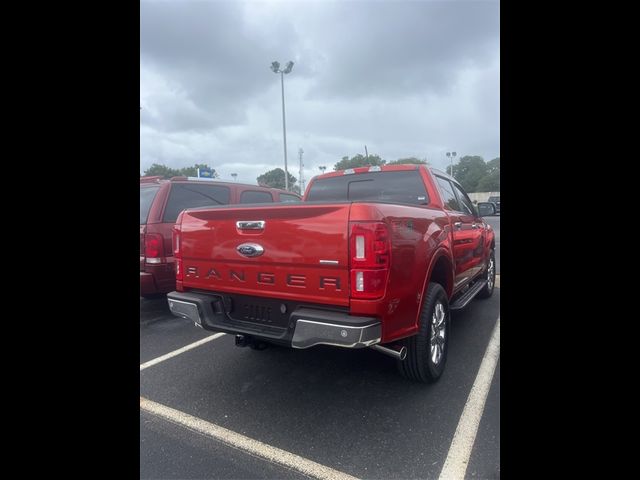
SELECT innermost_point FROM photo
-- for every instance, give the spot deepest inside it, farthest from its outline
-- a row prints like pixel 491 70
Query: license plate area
pixel 259 310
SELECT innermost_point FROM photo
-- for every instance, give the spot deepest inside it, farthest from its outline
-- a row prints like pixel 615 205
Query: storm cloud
pixel 414 78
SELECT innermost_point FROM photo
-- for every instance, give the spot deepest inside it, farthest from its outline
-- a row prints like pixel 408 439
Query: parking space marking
pixel 455 466
pixel 246 444
pixel 169 355
pixel 497 281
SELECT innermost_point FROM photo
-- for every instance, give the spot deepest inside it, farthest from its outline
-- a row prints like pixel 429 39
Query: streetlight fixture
pixel 275 66
pixel 322 168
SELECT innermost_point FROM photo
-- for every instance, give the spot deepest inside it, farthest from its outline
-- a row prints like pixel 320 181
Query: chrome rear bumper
pixel 306 327
pixel 311 332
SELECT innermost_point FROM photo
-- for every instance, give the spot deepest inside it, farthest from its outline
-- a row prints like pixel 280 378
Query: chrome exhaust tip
pixel 398 354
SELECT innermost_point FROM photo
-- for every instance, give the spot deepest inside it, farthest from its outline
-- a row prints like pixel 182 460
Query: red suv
pixel 160 203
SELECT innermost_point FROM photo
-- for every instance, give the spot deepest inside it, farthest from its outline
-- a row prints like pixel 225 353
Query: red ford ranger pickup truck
pixel 372 257
pixel 160 203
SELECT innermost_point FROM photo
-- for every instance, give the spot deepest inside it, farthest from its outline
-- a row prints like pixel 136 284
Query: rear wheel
pixel 427 350
pixel 490 277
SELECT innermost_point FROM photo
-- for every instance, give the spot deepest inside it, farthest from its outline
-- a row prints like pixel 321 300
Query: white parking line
pixel 455 466
pixel 246 444
pixel 169 355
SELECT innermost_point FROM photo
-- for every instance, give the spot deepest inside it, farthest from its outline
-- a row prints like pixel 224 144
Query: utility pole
pixel 300 152
pixel 366 153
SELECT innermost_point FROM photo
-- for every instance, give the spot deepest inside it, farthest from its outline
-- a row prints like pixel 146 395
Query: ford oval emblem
pixel 250 249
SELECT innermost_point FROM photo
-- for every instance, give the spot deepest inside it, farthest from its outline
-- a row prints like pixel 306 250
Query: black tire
pixel 419 364
pixel 490 277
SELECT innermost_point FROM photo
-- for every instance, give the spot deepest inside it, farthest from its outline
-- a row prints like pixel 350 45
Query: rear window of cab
pixel 404 186
pixel 192 195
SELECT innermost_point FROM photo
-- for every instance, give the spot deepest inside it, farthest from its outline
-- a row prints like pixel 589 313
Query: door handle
pixel 458 225
pixel 474 225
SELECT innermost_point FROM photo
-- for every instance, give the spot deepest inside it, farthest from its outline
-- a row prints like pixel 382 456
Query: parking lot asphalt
pixel 345 409
pixel 171 451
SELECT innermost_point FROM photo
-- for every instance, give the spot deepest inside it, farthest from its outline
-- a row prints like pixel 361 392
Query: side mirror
pixel 486 208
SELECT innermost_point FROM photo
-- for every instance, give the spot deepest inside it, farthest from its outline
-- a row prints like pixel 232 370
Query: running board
pixel 463 300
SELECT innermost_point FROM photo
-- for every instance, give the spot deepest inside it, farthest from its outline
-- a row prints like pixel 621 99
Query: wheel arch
pixel 440 271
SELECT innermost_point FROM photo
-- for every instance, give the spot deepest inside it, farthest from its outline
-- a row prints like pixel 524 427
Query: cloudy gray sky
pixel 416 78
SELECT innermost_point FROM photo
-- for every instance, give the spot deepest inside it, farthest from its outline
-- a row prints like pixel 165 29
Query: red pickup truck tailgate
pixel 305 251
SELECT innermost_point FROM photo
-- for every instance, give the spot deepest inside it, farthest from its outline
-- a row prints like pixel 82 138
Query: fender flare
pixel 437 255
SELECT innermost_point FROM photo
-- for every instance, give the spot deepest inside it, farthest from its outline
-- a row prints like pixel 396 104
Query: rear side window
pixel 147 194
pixel 448 197
pixel 189 195
pixel 285 197
pixel 394 187
pixel 254 196
pixel 465 202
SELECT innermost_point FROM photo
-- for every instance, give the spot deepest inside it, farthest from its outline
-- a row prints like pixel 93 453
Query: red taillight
pixel 177 252
pixel 369 259
pixel 175 238
pixel 153 250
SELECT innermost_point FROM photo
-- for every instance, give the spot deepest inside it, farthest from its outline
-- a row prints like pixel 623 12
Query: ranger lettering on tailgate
pixel 265 278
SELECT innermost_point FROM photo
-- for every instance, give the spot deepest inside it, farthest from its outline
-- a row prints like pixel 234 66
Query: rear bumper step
pixel 306 326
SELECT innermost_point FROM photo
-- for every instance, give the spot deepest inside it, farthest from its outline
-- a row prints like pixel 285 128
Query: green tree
pixel 166 172
pixel 161 170
pixel 411 160
pixel 493 165
pixel 275 179
pixel 469 171
pixel 359 160
pixel 491 181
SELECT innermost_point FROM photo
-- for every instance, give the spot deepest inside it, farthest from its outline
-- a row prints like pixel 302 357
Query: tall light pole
pixel 234 175
pixel 451 155
pixel 301 176
pixel 322 168
pixel 275 66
